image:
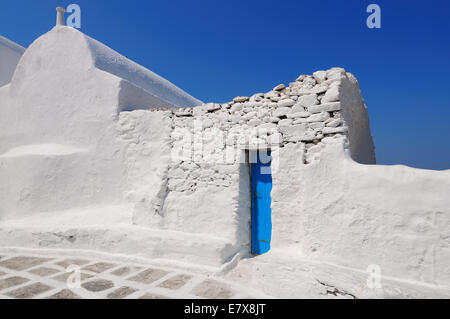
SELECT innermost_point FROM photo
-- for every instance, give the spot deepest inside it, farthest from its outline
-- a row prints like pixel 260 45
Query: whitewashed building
pixel 278 190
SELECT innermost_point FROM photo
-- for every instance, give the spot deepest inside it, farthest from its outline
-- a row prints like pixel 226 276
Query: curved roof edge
pixel 12 45
pixel 108 60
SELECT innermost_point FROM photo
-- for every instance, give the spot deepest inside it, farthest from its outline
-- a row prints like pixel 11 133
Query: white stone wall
pixel 205 186
pixel 79 144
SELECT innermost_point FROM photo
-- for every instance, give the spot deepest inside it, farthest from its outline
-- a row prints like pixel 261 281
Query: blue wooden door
pixel 261 212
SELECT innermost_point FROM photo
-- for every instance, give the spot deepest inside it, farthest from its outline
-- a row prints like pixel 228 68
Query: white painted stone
pixel 298 114
pixel 236 107
pixel 249 115
pixel 207 123
pixel 301 78
pixel 335 74
pixel 281 111
pixel 285 122
pixel 320 76
pixel 241 99
pixel 325 107
pixel 334 123
pixel 319 89
pixel 274 119
pixel 212 107
pixel 279 87
pixel 269 126
pixel 318 117
pixel 300 120
pixel 253 104
pixel 285 103
pixel 331 95
pixel 255 122
pixel 307 100
pixel 332 130
pixel 293 130
pixel 257 97
pixel 275 98
pixel 199 110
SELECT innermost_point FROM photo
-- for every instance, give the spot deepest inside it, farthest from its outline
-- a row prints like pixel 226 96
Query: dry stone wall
pixel 304 112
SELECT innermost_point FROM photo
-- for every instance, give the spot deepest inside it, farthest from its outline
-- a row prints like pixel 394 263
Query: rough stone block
pixel 326 107
pixel 333 130
pixel 281 111
pixel 320 76
pixel 331 95
pixel 240 99
pixel 318 117
pixel 285 103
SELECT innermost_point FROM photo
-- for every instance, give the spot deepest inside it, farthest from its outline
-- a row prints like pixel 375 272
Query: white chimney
pixel 60 16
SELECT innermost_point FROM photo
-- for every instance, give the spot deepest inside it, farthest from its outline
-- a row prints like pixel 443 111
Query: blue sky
pixel 216 50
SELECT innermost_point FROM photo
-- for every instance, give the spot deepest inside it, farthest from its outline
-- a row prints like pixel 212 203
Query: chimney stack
pixel 60 16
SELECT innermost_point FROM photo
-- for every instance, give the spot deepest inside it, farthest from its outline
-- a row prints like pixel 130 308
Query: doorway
pixel 261 186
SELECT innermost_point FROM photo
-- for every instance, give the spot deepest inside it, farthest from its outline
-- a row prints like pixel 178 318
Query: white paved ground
pixel 45 275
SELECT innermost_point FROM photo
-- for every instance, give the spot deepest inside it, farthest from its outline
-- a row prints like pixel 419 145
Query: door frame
pixel 248 160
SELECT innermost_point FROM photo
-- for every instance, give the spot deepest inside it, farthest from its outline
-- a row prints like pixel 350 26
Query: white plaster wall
pixel 338 211
pixel 355 114
pixel 75 142
pixel 10 54
pixel 146 136
pixel 59 99
pixel 192 196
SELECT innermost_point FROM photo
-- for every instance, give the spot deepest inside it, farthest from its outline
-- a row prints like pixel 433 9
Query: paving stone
pixel 120 293
pixel 212 289
pixel 11 282
pixel 99 267
pixel 98 285
pixel 43 271
pixel 154 296
pixel 126 270
pixel 65 276
pixel 29 291
pixel 64 294
pixel 175 282
pixel 67 262
pixel 148 276
pixel 22 262
pixel 2 273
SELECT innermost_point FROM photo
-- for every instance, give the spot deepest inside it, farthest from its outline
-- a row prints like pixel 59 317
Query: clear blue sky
pixel 217 49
